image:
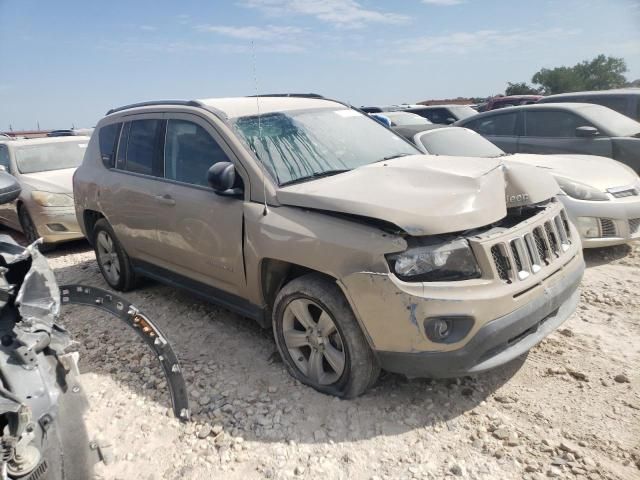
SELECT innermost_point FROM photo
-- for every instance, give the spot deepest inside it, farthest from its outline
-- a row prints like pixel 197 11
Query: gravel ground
pixel 571 409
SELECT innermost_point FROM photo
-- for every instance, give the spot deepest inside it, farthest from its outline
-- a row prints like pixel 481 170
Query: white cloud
pixel 443 3
pixel 340 13
pixel 268 32
pixel 147 28
pixel 464 42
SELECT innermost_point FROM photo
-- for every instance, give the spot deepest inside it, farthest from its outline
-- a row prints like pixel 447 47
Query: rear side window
pixel 108 137
pixel 142 146
pixel 556 124
pixel 497 125
pixel 619 104
pixel 189 152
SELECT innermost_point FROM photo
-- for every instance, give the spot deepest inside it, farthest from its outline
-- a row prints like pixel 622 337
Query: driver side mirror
pixel 583 132
pixel 9 188
pixel 221 177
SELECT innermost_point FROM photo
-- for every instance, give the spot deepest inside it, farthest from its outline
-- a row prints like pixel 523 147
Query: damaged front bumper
pixel 497 342
pixel 493 319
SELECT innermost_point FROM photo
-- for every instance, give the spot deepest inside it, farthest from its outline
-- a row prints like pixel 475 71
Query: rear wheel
pixel 113 261
pixel 320 340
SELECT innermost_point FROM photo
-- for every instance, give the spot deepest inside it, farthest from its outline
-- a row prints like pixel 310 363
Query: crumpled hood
pixel 422 194
pixel 599 172
pixel 54 181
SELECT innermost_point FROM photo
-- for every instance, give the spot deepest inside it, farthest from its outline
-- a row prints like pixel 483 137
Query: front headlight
pixel 48 199
pixel 453 260
pixel 580 190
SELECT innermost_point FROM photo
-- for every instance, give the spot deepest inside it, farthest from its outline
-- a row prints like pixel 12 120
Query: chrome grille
pixel 607 227
pixel 634 226
pixel 526 254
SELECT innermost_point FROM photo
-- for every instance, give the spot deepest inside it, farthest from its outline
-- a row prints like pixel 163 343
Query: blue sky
pixel 67 62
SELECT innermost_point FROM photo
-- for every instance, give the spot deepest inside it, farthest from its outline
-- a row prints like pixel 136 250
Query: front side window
pixel 554 123
pixel 305 144
pixel 142 146
pixel 189 152
pixel 495 125
pixel 44 157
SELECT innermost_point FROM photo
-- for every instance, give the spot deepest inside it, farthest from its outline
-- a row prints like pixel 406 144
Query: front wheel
pixel 320 340
pixel 29 229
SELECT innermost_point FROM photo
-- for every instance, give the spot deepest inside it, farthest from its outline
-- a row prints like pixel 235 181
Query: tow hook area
pixel 145 328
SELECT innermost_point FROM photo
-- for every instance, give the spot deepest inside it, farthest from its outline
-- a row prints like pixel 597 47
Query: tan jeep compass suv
pixel 316 220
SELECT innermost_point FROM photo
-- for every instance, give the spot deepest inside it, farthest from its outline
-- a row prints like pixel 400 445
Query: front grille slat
pixel 526 254
pixel 501 262
pixel 634 226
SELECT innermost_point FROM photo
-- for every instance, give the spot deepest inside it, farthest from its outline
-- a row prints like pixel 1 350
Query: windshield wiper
pixel 315 175
pixel 397 155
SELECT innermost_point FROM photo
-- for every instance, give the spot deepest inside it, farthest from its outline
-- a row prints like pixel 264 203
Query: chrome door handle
pixel 165 199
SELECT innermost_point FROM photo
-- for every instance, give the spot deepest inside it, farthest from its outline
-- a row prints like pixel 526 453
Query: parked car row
pixel 601 196
pixel 362 246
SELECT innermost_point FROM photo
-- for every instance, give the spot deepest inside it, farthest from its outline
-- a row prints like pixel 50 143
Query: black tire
pixel 361 368
pixel 30 230
pixel 127 278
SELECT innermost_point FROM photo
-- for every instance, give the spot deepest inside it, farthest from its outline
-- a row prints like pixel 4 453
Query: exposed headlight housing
pixel 440 262
pixel 580 191
pixel 48 199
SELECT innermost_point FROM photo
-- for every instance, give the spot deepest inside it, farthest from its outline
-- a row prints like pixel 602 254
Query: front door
pixel 202 237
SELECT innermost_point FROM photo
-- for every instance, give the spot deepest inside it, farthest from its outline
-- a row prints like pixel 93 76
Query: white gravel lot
pixel 571 409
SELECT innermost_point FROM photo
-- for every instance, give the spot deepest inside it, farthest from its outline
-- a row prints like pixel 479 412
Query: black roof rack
pixel 295 95
pixel 187 103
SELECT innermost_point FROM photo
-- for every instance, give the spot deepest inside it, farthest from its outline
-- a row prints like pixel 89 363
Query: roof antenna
pixel 262 166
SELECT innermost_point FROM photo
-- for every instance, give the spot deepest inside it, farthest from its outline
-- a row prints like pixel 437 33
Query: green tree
pixel 520 88
pixel 601 73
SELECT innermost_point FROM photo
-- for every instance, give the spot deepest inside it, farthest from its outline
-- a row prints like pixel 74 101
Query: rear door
pixel 500 128
pixel 130 195
pixel 554 132
pixel 201 233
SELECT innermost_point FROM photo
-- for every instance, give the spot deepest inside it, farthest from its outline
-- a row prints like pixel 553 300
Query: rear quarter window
pixel 108 137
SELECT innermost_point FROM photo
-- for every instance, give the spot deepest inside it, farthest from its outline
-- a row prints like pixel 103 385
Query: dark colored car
pixel 510 101
pixel 561 128
pixel 442 114
pixel 624 100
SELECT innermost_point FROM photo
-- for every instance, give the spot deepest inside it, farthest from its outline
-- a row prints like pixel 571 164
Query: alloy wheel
pixel 108 257
pixel 313 341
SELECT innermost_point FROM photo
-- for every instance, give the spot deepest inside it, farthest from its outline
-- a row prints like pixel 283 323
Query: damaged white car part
pixel 41 402
pixel 148 331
